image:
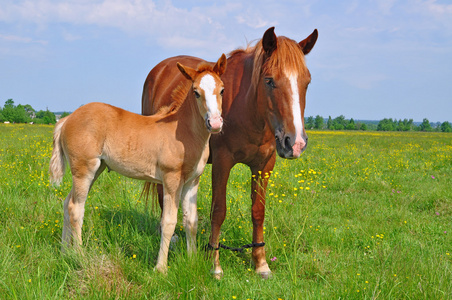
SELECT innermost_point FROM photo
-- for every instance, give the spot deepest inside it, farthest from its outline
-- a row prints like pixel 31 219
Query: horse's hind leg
pixel 74 205
pixel 190 213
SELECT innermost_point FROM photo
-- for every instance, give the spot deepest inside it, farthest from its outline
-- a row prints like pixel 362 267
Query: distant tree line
pixel 407 125
pixel 25 114
pixel 338 123
pixel 341 123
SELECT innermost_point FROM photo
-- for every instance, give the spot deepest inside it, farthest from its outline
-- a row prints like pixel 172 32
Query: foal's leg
pixel 67 232
pixel 258 190
pixel 190 213
pixel 172 192
pixel 220 175
pixel 74 206
pixel 74 209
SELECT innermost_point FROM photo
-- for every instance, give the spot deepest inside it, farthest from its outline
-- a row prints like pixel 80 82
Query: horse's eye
pixel 197 95
pixel 222 92
pixel 270 82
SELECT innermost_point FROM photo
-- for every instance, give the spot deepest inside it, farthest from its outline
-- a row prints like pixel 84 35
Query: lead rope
pixel 252 245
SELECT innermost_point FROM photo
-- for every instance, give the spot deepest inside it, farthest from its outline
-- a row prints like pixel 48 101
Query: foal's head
pixel 208 90
pixel 283 81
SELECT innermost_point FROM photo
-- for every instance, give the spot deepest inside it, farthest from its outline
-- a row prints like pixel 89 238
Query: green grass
pixel 358 216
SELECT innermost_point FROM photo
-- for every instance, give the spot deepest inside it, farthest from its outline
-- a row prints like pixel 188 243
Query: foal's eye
pixel 270 82
pixel 197 95
pixel 222 92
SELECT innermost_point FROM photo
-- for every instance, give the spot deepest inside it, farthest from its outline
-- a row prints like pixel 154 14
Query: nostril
pixel 287 143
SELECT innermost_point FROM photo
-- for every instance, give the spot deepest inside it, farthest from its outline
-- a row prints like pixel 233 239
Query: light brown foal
pixel 169 148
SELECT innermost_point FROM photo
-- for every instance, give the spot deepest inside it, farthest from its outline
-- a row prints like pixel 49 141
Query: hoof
pixel 217 274
pixel 160 269
pixel 264 271
pixel 265 275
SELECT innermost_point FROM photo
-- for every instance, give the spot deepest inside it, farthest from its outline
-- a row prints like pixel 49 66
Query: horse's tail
pixel 57 161
pixel 148 189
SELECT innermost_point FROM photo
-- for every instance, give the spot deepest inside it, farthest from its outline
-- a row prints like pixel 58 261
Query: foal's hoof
pixel 217 274
pixel 161 269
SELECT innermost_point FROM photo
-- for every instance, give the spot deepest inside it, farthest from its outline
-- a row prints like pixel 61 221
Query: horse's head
pixel 207 88
pixel 283 81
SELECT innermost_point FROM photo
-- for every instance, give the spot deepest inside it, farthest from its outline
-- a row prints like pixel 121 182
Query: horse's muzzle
pixel 287 148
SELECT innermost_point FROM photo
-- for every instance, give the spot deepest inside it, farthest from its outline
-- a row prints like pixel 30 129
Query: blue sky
pixel 373 59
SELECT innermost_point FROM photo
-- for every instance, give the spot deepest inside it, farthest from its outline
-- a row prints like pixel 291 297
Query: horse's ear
pixel 269 41
pixel 220 66
pixel 188 72
pixel 308 43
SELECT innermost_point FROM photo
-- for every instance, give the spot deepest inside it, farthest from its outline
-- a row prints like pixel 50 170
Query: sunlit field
pixel 361 215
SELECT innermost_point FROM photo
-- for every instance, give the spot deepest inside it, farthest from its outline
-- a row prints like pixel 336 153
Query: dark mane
pixel 288 57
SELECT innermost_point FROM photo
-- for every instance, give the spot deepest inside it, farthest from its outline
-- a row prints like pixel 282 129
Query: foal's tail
pixel 57 161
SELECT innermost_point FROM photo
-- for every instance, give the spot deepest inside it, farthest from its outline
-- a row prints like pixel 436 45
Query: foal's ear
pixel 220 66
pixel 308 43
pixel 269 41
pixel 188 72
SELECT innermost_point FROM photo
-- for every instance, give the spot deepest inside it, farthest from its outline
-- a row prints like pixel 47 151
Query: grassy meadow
pixel 361 215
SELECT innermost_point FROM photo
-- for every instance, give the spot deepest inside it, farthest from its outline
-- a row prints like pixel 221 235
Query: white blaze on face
pixel 296 111
pixel 214 122
pixel 208 84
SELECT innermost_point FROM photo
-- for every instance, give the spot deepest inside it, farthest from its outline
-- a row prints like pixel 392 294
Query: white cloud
pixel 255 22
pixel 431 14
pixel 164 23
pixel 70 37
pixel 137 15
pixel 438 9
pixel 21 39
pixel 177 42
pixel 385 6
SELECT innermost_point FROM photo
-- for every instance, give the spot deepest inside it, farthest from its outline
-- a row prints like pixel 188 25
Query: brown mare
pixel 169 148
pixel 263 110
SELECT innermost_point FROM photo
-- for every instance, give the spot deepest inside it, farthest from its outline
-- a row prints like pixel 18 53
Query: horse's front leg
pixel 221 167
pixel 190 213
pixel 172 191
pixel 258 190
